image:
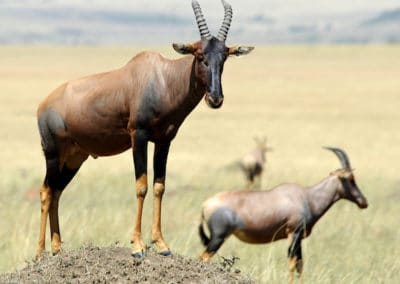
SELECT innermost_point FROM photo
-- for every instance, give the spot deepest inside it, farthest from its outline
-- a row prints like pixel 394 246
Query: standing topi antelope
pixel 252 164
pixel 287 211
pixel 108 113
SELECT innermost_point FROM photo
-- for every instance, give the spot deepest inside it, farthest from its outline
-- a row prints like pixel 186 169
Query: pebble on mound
pixel 92 264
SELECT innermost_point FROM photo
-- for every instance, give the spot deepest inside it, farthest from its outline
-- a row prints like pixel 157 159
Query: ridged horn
pixel 344 160
pixel 201 21
pixel 226 23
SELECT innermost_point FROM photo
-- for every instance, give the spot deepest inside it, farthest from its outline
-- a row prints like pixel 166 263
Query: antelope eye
pixel 205 62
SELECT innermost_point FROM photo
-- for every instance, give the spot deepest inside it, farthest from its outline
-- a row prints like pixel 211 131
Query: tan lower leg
pixel 259 182
pixel 54 224
pixel 249 185
pixel 45 199
pixel 206 256
pixel 299 268
pixel 292 266
pixel 141 190
pixel 156 227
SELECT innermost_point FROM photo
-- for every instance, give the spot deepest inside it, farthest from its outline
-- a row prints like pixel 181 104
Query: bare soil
pixel 91 264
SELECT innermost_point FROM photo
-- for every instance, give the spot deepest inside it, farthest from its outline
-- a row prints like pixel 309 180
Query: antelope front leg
pixel 249 181
pixel 160 163
pixel 139 144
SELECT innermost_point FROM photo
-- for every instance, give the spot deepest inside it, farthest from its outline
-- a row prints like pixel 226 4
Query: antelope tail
pixel 204 239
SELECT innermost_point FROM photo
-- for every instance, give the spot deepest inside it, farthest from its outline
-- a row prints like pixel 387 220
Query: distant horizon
pixel 79 22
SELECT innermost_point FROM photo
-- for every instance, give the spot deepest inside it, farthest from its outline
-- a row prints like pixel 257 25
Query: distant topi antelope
pixel 252 164
pixel 287 211
pixel 108 113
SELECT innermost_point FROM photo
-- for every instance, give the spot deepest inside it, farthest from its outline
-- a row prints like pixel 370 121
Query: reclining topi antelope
pixel 108 113
pixel 287 211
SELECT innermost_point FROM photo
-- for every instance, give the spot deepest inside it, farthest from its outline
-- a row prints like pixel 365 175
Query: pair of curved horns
pixel 344 160
pixel 201 21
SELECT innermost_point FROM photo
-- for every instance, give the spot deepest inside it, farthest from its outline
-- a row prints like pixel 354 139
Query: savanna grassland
pixel 300 97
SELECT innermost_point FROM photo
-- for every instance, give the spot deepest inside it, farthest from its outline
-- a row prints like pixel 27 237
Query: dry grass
pixel 301 97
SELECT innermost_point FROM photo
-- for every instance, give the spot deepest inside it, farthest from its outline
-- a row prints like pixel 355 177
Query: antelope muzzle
pixel 361 201
pixel 214 101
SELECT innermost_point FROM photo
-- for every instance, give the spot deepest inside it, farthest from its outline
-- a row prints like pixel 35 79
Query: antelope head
pixel 349 189
pixel 211 53
pixel 262 144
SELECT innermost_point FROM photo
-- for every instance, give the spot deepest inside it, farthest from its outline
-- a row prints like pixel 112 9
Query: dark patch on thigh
pixel 223 221
pixel 50 123
pixel 149 106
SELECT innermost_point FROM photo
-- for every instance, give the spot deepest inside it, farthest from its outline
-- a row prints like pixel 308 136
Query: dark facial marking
pixel 349 185
pixel 215 49
pixel 353 193
pixel 212 59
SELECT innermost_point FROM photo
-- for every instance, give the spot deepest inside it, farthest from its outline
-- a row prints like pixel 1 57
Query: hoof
pixel 165 253
pixel 138 255
pixel 56 252
pixel 39 255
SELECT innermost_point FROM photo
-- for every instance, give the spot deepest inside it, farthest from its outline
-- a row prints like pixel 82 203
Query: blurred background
pixel 323 73
pixel 154 22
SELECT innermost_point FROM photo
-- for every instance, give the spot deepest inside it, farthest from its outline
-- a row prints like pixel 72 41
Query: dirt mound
pixel 92 264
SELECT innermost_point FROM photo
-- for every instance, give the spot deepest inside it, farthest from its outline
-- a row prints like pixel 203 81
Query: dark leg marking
pixel 160 160
pixel 294 251
pixel 203 237
pixel 250 177
pixel 139 143
pixel 295 247
pixel 221 224
pixel 140 152
pixel 56 179
pixel 160 165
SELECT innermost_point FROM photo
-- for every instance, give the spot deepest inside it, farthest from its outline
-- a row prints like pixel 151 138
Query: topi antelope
pixel 252 164
pixel 287 211
pixel 108 113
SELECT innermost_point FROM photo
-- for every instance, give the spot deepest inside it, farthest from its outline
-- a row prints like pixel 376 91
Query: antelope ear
pixel 240 50
pixel 184 48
